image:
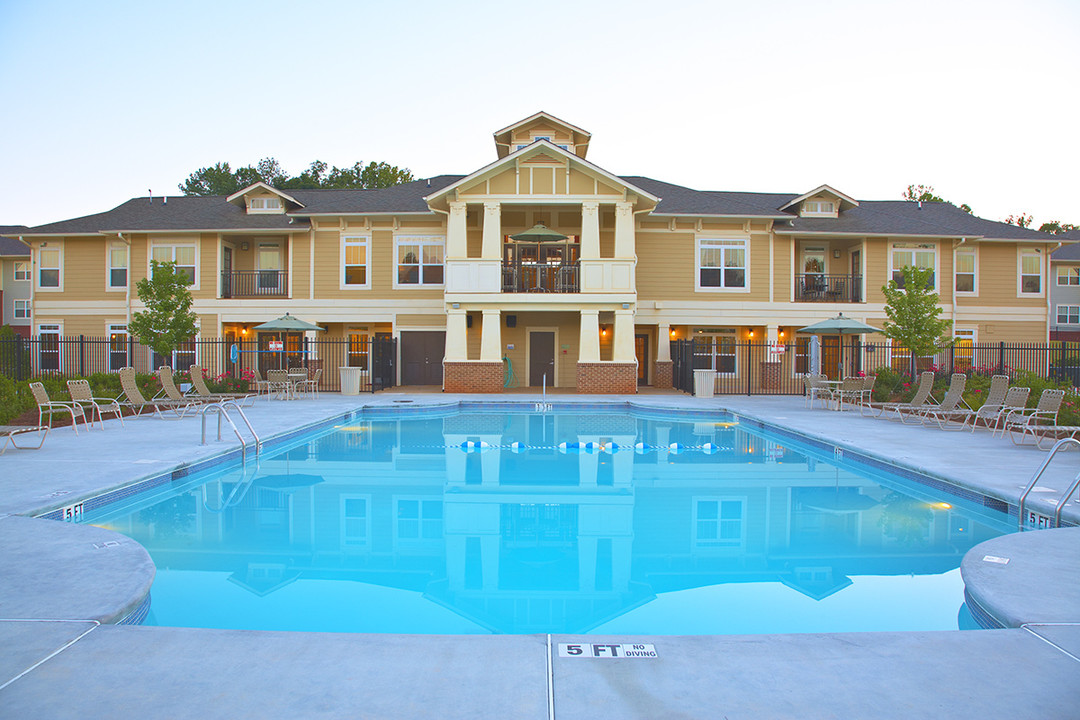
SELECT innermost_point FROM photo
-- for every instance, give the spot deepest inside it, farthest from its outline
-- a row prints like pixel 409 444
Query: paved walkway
pixel 61 581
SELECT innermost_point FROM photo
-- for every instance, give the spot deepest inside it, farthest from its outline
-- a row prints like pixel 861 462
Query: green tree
pixel 913 310
pixel 221 179
pixel 925 193
pixel 1054 227
pixel 1022 220
pixel 167 320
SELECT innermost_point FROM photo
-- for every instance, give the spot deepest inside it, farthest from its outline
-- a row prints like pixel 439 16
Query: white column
pixel 772 334
pixel 624 337
pixel 456 244
pixel 663 343
pixel 491 249
pixel 590 230
pixel 491 337
pixel 589 345
pixel 624 230
pixel 456 348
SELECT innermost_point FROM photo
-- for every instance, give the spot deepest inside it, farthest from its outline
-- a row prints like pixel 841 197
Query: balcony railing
pixel 815 287
pixel 254 283
pixel 527 278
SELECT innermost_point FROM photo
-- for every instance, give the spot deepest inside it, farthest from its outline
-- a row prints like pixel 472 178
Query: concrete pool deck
pixel 60 581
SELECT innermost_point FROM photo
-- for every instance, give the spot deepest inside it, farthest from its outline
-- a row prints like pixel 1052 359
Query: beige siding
pixel 298 253
pixel 665 267
pixel 84 270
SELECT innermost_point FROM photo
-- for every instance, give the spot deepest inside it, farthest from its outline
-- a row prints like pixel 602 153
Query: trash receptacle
pixel 350 380
pixel 704 383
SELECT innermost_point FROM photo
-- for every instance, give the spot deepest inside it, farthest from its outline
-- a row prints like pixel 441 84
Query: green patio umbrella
pixel 287 323
pixel 841 326
pixel 539 233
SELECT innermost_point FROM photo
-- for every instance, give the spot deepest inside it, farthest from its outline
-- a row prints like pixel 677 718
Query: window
pixel 117 266
pixel 49 347
pixel 417 519
pixel 354 262
pixel 1065 275
pixel 1068 314
pixel 22 270
pixel 419 260
pixel 49 275
pixel 118 347
pixel 819 207
pixel 355 519
pixel 963 349
pixel 22 309
pixel 264 204
pixel 714 349
pixel 721 264
pixel 965 270
pixel 1031 272
pixel 358 349
pixel 183 357
pixel 718 522
pixel 923 257
pixel 182 255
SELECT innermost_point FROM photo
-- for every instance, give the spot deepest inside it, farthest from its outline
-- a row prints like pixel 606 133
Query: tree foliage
pixel 221 179
pixel 1022 220
pixel 913 313
pixel 167 320
pixel 925 193
pixel 1055 227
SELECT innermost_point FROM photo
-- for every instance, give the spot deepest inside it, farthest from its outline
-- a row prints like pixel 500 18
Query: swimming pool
pixel 558 522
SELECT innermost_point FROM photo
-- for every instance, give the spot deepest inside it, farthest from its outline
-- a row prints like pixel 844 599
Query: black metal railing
pixel 527 278
pixel 254 283
pixel 23 359
pixel 815 287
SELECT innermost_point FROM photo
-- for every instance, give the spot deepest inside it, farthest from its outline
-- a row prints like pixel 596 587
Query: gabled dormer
pixel 262 199
pixel 821 202
pixel 542 126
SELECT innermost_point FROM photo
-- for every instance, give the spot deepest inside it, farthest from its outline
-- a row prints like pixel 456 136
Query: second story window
pixel 923 257
pixel 1030 272
pixel 22 270
pixel 182 255
pixel 1066 314
pixel 49 275
pixel 117 267
pixel 354 262
pixel 965 271
pixel 819 207
pixel 721 264
pixel 419 261
pixel 1068 275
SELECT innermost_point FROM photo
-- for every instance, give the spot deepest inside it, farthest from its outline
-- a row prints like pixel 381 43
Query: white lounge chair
pixel 918 400
pixel 51 407
pixel 82 395
pixel 1034 421
pixel 8 433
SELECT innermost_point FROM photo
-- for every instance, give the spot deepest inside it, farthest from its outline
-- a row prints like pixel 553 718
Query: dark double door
pixel 422 357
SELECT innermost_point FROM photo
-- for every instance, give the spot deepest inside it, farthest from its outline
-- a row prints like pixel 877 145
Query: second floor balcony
pixel 528 278
pixel 255 284
pixel 818 287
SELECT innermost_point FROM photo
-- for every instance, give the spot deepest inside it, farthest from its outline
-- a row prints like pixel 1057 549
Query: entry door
pixel 541 358
pixel 422 357
pixel 856 276
pixel 830 356
pixel 269 263
pixel 641 349
pixel 226 272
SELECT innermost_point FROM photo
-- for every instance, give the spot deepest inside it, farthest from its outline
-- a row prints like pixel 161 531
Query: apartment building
pixel 14 280
pixel 1065 290
pixel 541 267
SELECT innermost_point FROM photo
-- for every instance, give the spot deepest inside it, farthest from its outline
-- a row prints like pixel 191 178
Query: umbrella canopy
pixel 539 233
pixel 839 325
pixel 287 323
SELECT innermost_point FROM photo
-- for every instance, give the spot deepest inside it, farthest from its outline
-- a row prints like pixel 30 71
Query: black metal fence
pixel 747 368
pixel 78 356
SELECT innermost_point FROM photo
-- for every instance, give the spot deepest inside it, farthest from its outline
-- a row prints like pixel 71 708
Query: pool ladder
pixel 1064 497
pixel 221 409
pixel 543 405
pixel 239 491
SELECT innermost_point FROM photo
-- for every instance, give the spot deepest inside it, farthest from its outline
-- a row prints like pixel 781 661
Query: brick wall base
pixel 473 377
pixel 663 375
pixel 607 378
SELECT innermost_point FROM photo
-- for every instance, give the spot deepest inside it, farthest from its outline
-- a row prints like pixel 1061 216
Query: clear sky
pixel 108 100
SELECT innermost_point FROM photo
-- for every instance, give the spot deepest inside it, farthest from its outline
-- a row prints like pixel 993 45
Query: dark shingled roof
pixel 408 197
pixel 1067 252
pixel 679 200
pixel 178 213
pixel 9 244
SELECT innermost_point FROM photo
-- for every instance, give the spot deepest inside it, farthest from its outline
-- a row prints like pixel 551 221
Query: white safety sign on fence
pixel 608 650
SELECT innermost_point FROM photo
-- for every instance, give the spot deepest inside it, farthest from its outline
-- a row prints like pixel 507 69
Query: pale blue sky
pixel 108 100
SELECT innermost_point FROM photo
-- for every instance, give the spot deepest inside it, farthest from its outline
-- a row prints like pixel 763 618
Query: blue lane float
pixel 474 446
pixel 518 447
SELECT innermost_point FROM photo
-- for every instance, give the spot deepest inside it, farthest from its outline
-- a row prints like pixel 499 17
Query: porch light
pixel 751 333
pixel 672 332
pixel 603 331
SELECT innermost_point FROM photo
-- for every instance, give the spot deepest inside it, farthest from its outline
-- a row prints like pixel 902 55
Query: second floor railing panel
pixel 815 287
pixel 527 278
pixel 254 283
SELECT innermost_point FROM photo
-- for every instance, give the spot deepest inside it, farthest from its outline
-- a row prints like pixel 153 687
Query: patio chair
pixel 138 403
pixel 918 400
pixel 81 395
pixel 203 392
pixel 261 385
pixel 168 385
pixel 816 388
pixel 952 401
pixel 1034 421
pixel 1015 399
pixel 9 432
pixel 51 407
pixel 278 383
pixel 867 394
pixel 850 390
pixel 311 385
pixel 987 412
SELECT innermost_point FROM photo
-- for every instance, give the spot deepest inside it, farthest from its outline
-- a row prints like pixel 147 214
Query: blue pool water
pixel 483 522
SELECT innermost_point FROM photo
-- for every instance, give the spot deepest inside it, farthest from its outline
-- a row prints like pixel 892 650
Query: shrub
pixel 15 399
